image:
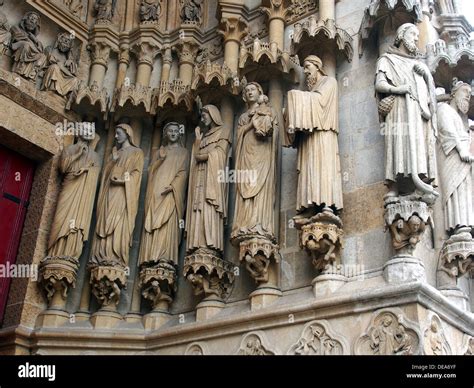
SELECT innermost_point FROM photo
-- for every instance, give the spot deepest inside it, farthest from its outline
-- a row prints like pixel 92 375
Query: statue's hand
pixel 198 133
pixel 403 89
pixel 466 157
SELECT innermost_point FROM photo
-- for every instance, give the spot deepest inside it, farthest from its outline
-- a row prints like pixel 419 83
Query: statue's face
pixel 120 135
pixel 64 43
pixel 172 133
pixel 31 22
pixel 206 118
pixel 251 93
pixel 415 224
pixel 462 97
pixel 410 40
pixel 310 69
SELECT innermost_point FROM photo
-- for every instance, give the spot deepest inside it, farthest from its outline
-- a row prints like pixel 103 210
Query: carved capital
pixel 456 259
pixel 276 9
pixel 100 53
pixel 187 52
pixel 58 274
pixel 158 284
pixel 233 29
pixel 406 220
pixel 107 283
pixel 167 55
pixel 209 274
pixel 146 52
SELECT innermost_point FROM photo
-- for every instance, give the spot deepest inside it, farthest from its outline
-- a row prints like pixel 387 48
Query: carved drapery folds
pixel 389 333
pixel 318 339
pixel 435 342
pixel 206 210
pixel 5 34
pixel 116 211
pixel 150 11
pixel 314 134
pixel 80 165
pixel 191 12
pixel 104 11
pixel 29 58
pixel 164 215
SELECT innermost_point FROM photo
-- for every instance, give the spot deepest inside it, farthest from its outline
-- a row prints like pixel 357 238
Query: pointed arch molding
pixel 63 17
pixel 318 338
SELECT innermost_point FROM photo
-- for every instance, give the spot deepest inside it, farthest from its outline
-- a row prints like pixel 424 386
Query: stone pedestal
pixel 155 319
pixel 106 319
pixel 52 318
pixel 263 297
pixel 326 284
pixel 208 308
pixel 404 269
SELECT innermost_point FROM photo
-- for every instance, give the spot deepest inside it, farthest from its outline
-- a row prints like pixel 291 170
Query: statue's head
pixel 64 42
pixel 211 116
pixel 461 95
pixel 407 35
pixel 415 223
pixel 313 68
pixel 123 133
pixel 173 132
pixel 31 22
pixel 252 93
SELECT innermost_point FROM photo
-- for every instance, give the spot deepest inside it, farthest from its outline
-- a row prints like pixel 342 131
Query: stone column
pixel 234 30
pixel 276 10
pixel 428 34
pixel 327 9
pixel 167 59
pixel 146 53
pixel 187 52
pixel 100 53
pixel 124 62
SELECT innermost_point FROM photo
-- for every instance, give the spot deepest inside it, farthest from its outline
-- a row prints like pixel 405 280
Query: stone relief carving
pixel 318 338
pixel 150 11
pixel 191 11
pixel 164 216
pixel 116 211
pixel 255 344
pixel 28 52
pixel 434 338
pixel 61 66
pixel 467 348
pixel 389 333
pixel 206 209
pixel 5 34
pixel 196 349
pixel 253 228
pixel 312 127
pixel 76 6
pixel 104 11
pixel 80 165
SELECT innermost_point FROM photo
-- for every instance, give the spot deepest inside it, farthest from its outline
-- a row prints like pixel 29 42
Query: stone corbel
pixel 158 284
pixel 107 283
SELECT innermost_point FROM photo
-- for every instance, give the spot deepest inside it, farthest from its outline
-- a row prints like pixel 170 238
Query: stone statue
pixel 255 165
pixel 165 201
pixel 28 53
pixel 191 12
pixel 118 200
pixel 207 197
pixel 61 71
pixel 104 10
pixel 456 161
pixel 206 209
pixel 313 128
pixel 80 166
pixel 149 11
pixel 407 107
pixel 164 213
pixel 5 34
pixel 116 211
pixel 456 171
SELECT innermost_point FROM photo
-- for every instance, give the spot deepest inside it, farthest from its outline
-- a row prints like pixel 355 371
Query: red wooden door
pixel 16 176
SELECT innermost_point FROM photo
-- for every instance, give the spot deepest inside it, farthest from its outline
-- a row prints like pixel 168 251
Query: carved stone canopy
pixel 107 283
pixel 57 275
pixel 158 284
